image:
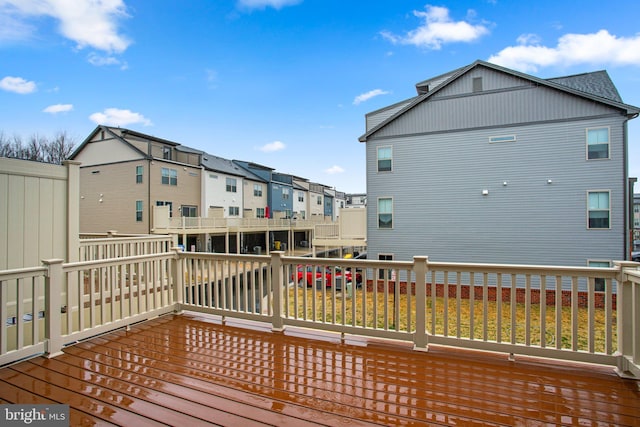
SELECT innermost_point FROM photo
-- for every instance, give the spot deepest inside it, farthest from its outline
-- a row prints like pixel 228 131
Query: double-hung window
pixel 232 185
pixel 385 159
pixel 257 190
pixel 599 210
pixel 234 211
pixel 285 194
pixel 139 210
pixel 259 212
pixel 385 213
pixel 139 172
pixel 169 176
pixel 597 143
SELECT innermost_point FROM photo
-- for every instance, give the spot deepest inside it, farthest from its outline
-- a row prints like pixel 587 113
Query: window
pixel 300 196
pixel 169 176
pixel 165 203
pixel 166 153
pixel 257 190
pixel 381 272
pixel 231 185
pixel 138 210
pixel 600 282
pixel 477 84
pixel 598 143
pixel 599 210
pixel 139 172
pixel 319 200
pixel 189 211
pixel 234 211
pixel 259 212
pixel 285 194
pixel 384 159
pixel 385 213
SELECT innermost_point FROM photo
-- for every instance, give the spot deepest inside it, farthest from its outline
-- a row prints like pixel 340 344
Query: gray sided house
pixel 491 165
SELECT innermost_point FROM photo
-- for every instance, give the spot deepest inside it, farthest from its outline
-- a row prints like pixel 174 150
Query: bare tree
pixel 38 148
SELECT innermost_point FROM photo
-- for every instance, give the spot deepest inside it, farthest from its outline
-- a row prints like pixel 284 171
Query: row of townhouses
pixel 485 164
pixel 126 176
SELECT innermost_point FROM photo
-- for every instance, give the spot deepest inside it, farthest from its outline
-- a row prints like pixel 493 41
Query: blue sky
pixel 284 83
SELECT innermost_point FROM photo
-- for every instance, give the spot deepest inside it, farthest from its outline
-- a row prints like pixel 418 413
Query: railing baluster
pixel 543 311
pixel 499 307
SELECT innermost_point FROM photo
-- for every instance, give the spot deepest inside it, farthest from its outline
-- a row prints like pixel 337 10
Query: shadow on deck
pixel 187 370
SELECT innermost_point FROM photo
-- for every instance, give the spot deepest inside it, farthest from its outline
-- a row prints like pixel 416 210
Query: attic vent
pixel 477 84
pixel 502 138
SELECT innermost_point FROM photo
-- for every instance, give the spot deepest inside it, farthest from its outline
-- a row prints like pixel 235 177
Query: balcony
pixel 196 338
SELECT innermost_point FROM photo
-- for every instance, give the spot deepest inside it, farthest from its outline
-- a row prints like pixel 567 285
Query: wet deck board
pixel 181 370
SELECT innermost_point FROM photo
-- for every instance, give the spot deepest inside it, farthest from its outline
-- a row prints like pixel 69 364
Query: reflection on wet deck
pixel 186 370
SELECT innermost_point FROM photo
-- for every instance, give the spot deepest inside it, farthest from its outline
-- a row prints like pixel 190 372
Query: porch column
pixel 53 304
pixel 420 266
pixel 277 291
pixel 628 306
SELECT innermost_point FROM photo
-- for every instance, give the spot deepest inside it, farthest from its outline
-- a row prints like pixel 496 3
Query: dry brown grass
pixel 381 313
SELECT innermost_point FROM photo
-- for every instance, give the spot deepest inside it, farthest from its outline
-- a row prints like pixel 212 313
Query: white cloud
pixel 368 95
pixel 438 28
pixel 262 4
pixel 272 146
pixel 92 23
pixel 118 117
pixel 17 85
pixel 58 108
pixel 572 49
pixel 101 60
pixel 335 169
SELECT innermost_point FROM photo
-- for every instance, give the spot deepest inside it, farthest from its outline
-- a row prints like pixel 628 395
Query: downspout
pixel 628 189
pixel 149 208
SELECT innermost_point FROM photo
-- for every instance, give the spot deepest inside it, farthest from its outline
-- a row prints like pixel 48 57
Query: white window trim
pixel 378 213
pixel 586 143
pixel 378 158
pixel 588 210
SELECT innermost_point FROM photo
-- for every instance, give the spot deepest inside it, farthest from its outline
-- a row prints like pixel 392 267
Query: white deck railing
pixel 541 311
pixel 115 246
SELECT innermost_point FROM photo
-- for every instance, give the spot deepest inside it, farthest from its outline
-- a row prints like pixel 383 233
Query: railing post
pixel 421 267
pixel 628 313
pixel 53 297
pixel 177 279
pixel 277 289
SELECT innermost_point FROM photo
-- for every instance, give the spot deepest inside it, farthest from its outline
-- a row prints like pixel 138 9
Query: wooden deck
pixel 184 370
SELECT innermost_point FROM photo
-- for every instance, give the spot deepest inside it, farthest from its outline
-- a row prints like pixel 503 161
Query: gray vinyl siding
pixel 492 109
pixel 375 118
pixel 439 210
pixel 491 80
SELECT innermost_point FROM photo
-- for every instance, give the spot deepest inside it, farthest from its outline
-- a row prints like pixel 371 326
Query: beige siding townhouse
pixel 123 174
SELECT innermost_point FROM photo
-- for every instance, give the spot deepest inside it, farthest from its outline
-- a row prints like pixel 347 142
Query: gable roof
pixel 107 129
pixel 595 86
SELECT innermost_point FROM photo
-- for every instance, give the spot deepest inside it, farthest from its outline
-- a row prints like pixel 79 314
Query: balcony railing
pixel 195 223
pixel 546 311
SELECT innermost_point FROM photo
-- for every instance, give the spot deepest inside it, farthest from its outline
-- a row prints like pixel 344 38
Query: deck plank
pixel 185 370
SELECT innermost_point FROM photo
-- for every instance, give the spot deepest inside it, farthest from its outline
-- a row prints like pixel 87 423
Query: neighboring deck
pixel 187 370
